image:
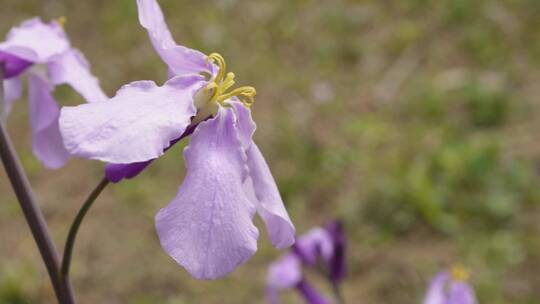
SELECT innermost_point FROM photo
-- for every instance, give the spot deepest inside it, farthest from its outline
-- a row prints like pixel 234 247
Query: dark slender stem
pixel 32 213
pixel 72 235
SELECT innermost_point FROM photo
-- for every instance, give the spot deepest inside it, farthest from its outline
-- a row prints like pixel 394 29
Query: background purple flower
pixel 44 51
pixel 320 249
pixel 450 288
pixel 324 248
pixel 286 273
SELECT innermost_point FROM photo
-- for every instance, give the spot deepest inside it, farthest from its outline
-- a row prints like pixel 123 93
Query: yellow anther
pixel 228 82
pixel 62 21
pixel 459 273
pixel 220 62
pixel 245 94
pixel 224 81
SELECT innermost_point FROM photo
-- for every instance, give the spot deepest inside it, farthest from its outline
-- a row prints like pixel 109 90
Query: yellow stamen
pixel 242 93
pixel 228 82
pixel 459 273
pixel 62 21
pixel 224 81
pixel 220 62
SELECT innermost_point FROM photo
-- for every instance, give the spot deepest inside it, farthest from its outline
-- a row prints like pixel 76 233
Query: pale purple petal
pixel 208 227
pixel 261 185
pixel 310 294
pixel 460 292
pixel 13 65
pixel 314 244
pixel 134 126
pixel 181 60
pixel 35 41
pixel 436 290
pixel 47 143
pixel 72 68
pixel 283 274
pixel 269 203
pixel 12 92
pixel 245 124
pixel 118 172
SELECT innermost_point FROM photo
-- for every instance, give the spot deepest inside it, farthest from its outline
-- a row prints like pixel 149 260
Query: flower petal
pixel 12 92
pixel 314 244
pixel 338 262
pixel 245 124
pixel 461 293
pixel 270 205
pixel 117 172
pixel 72 68
pixel 181 60
pixel 13 65
pixel 208 227
pixel 36 41
pixel 284 273
pixel 134 126
pixel 260 185
pixel 47 143
pixel 436 291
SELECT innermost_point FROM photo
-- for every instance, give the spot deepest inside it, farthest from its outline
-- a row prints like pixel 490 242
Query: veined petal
pixel 208 228
pixel 260 185
pixel 117 172
pixel 436 290
pixel 283 274
pixel 134 126
pixel 36 41
pixel 245 124
pixel 72 68
pixel 47 143
pixel 181 60
pixel 12 92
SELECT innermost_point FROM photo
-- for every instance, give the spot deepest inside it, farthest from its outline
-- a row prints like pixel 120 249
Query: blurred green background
pixel 416 122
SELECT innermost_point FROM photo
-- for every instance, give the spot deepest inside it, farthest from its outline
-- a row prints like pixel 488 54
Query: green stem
pixel 72 235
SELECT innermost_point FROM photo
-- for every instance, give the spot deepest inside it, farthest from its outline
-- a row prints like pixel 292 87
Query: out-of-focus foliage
pixel 414 121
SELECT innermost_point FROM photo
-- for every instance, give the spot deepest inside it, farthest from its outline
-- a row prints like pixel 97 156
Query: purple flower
pixel 337 264
pixel 320 248
pixel 286 273
pixel 324 248
pixel 208 227
pixel 450 288
pixel 45 52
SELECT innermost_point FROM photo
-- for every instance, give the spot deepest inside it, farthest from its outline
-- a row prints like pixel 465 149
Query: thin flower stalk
pixel 72 235
pixel 32 213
